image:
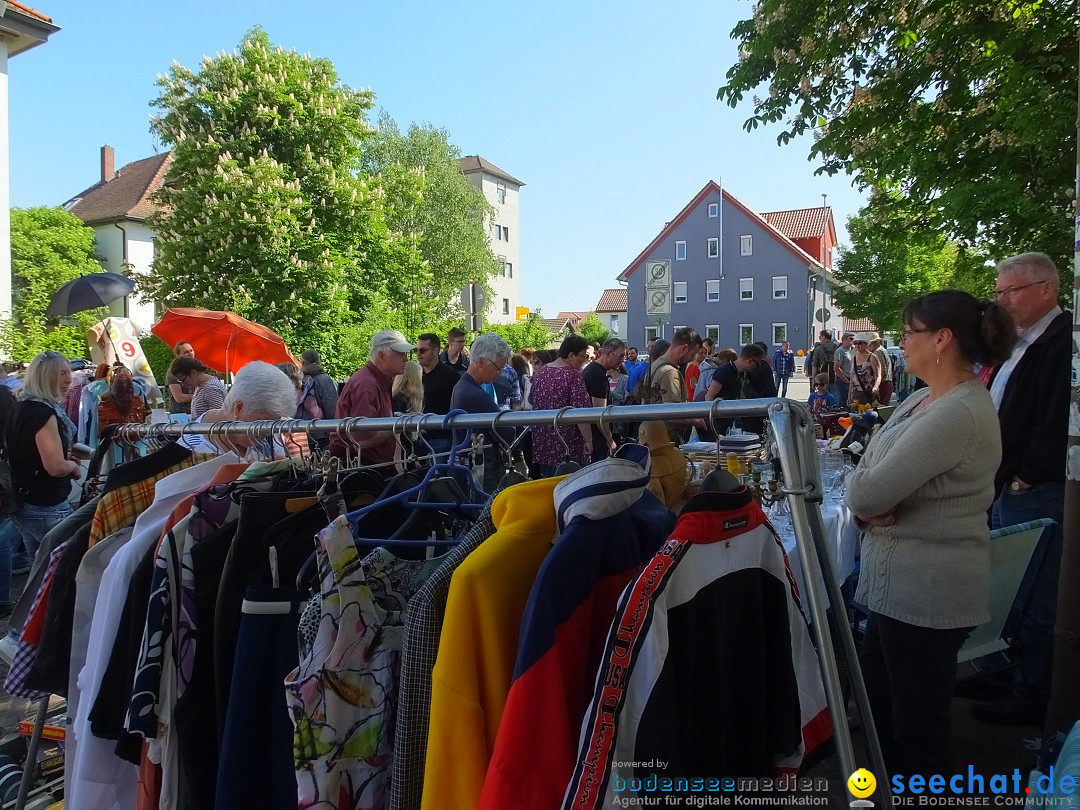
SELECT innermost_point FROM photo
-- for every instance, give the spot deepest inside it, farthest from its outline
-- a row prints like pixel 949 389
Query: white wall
pixel 608 317
pixel 140 247
pixel 506 214
pixel 5 198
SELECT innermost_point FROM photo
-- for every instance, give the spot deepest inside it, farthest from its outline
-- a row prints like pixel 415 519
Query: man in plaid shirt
pixel 783 367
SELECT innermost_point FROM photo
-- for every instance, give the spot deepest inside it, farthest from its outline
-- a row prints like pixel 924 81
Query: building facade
pixel 734 277
pixel 502 190
pixel 21 28
pixel 117 207
pixel 611 310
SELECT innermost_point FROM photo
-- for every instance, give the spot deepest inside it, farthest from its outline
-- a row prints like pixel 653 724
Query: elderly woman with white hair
pixel 259 391
pixel 488 357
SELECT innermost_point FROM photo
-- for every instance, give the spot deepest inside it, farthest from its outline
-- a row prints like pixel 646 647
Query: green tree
pixel 888 264
pixel 433 203
pixel 966 108
pixel 49 247
pixel 532 333
pixel 266 211
pixel 593 329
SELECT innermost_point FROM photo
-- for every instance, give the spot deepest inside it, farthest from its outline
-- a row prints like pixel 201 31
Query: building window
pixel 502 266
pixel 779 287
pixel 680 251
pixel 614 324
pixel 712 290
pixel 506 306
pixel 509 269
pixel 746 289
pixel 746 245
pixel 713 332
pixel 714 210
pixel 650 334
pixel 506 233
pixel 500 193
pixel 779 333
pixel 746 333
pixel 680 292
pixel 713 248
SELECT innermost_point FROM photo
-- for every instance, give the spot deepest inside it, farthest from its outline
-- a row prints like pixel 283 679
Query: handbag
pixel 11 495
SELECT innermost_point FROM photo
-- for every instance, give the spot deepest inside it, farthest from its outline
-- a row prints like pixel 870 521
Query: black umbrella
pixel 89 292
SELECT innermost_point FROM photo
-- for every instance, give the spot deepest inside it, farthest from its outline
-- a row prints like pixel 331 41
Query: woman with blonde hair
pixel 408 389
pixel 39 439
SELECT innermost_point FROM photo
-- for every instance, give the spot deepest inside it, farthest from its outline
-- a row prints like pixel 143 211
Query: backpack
pixel 11 497
pixel 309 407
pixel 824 361
pixel 646 392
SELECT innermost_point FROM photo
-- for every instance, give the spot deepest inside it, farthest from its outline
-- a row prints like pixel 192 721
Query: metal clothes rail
pixel 793 433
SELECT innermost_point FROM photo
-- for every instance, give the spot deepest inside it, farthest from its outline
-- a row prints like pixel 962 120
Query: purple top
pixel 556 387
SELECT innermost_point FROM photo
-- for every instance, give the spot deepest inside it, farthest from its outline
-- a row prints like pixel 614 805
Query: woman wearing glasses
pixel 921 492
pixel 39 439
pixel 208 391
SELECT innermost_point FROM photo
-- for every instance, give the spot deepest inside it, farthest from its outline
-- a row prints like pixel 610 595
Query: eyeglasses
pixel 999 294
pixel 51 354
pixel 909 332
pixel 820 385
pixel 500 368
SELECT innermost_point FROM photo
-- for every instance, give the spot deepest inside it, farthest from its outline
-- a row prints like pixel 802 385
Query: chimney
pixel 107 163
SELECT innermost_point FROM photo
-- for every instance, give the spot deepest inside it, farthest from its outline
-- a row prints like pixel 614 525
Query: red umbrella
pixel 222 340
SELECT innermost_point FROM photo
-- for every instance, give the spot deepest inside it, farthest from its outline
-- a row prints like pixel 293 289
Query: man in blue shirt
pixel 488 357
pixel 783 367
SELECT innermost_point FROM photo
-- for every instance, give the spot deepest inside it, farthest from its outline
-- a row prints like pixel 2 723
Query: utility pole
pixel 1064 708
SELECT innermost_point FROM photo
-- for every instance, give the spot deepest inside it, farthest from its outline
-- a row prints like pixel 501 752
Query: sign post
pixel 473 302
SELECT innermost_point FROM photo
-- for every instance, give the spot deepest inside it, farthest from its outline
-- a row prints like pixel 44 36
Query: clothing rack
pixel 793 432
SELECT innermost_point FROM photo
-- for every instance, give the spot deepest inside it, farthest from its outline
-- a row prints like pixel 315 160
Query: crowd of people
pixel 983 436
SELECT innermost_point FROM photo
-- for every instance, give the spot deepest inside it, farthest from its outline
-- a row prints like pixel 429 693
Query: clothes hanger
pixel 719 479
pixel 512 475
pixel 568 465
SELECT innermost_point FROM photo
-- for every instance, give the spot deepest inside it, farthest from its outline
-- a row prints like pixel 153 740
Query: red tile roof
pixel 573 317
pixel 613 301
pixel 29 12
pixel 475 163
pixel 125 196
pixel 859 325
pixel 800 223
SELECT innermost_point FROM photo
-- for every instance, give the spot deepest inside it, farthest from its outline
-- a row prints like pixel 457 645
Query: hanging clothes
pixel 610 527
pixel 709 666
pixel 475 665
pixel 420 647
pixel 340 695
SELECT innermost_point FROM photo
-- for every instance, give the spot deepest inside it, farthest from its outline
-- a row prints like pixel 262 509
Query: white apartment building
pixel 501 190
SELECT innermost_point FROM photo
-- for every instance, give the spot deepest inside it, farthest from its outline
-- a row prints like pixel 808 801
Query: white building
pixel 21 28
pixel 502 191
pixel 117 207
pixel 611 310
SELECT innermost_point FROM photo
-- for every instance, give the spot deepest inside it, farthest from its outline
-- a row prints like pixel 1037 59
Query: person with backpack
pixel 822 358
pixel 665 383
pixel 318 392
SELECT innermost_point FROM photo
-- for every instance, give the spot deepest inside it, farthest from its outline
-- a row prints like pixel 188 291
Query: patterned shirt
pixel 555 387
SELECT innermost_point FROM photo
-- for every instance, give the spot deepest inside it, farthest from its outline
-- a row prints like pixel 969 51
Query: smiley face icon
pixel 861 783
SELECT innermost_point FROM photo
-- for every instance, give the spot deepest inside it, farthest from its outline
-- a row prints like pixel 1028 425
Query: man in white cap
pixel 368 393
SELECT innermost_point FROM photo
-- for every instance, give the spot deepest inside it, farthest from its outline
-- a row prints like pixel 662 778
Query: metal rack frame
pixel 793 432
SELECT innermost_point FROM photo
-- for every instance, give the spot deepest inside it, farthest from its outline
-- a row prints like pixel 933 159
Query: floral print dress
pixel 555 387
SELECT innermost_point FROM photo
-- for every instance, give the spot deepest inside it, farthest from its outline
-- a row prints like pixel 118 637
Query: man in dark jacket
pixel 1031 392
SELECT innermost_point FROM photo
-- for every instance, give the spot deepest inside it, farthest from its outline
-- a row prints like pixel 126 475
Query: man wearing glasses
pixel 454 355
pixel 1031 393
pixel 490 354
pixel 439 381
pixel 732 381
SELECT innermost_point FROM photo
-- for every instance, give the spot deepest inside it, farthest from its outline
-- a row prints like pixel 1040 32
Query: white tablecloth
pixel 842 538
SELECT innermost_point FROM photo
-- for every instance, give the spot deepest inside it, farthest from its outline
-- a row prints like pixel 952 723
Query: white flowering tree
pixel 963 110
pixel 266 210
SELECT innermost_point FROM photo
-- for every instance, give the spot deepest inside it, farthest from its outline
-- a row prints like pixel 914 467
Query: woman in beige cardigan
pixel 921 492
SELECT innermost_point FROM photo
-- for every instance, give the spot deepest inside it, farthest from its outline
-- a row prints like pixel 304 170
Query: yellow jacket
pixel 479 642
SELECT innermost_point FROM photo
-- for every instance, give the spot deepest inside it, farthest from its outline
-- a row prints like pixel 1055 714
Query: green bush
pixel 159 355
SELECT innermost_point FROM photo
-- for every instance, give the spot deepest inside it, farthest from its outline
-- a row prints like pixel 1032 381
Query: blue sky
pixel 607 111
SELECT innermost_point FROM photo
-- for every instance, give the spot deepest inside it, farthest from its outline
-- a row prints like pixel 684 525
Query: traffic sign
pixel 521 313
pixel 473 299
pixel 658 302
pixel 657 274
